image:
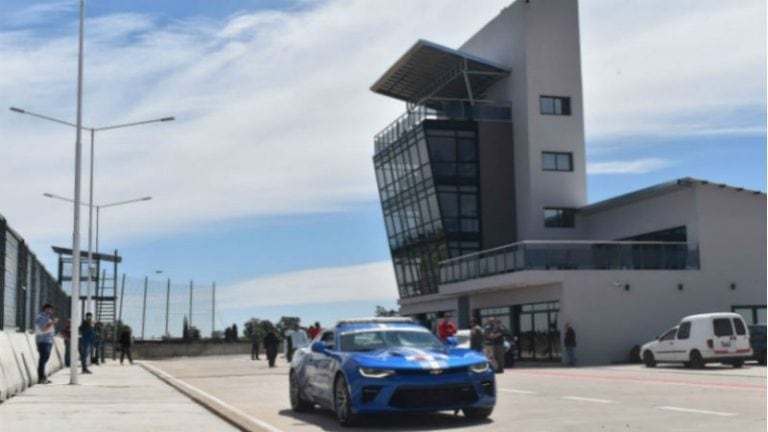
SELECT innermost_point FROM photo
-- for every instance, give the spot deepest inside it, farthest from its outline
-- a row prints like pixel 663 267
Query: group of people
pixel 295 338
pixel 490 338
pixel 92 341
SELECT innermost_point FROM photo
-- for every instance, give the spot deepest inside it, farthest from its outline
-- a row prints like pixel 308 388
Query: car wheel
pixel 761 358
pixel 648 359
pixel 737 363
pixel 477 413
pixel 298 403
pixel 696 361
pixel 342 402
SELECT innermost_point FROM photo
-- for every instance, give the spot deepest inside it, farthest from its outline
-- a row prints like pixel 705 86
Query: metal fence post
pixel 213 309
pixel 167 303
pixel 144 308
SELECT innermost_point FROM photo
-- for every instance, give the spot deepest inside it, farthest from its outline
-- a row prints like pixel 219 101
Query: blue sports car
pixel 389 365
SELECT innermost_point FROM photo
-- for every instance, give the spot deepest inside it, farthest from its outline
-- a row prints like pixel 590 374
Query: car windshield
pixel 389 338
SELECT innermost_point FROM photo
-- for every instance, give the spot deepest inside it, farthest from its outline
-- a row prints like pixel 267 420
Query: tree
pixel 287 323
pixel 381 311
pixel 235 335
pixel 251 326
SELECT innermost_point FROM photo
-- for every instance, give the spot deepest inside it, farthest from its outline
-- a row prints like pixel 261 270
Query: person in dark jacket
pixel 66 333
pixel 476 336
pixel 570 344
pixel 87 338
pixel 271 342
pixel 255 341
pixel 126 340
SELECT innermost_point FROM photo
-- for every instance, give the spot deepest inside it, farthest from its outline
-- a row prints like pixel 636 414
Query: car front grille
pixel 422 372
pixel 433 397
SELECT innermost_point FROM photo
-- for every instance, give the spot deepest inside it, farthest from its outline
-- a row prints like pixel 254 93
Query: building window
pixel 559 217
pixel 556 161
pixel 555 105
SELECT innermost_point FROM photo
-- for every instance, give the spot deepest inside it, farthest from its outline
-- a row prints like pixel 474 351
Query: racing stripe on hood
pixel 425 359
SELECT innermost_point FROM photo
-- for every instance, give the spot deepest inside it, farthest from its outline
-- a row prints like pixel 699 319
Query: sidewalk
pixel 115 398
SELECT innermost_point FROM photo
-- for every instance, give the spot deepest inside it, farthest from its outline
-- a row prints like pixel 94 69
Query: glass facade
pixel 429 188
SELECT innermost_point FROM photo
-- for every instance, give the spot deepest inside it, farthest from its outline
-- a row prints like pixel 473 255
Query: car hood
pixel 648 345
pixel 416 358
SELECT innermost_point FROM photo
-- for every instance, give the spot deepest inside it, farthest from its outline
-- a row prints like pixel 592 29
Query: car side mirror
pixel 319 347
pixel 451 341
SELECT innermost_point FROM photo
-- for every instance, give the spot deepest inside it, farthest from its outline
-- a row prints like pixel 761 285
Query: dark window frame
pixel 684 331
pixel 566 218
pixel 718 330
pixel 557 167
pixel 565 105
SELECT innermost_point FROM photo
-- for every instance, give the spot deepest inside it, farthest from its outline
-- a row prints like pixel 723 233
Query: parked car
pixel 701 339
pixel 757 340
pixel 389 365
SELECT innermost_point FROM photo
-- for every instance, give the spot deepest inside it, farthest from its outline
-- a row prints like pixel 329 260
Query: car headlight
pixel 480 367
pixel 376 373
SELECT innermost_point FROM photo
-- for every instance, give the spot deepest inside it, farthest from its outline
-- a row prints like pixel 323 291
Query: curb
pixel 228 413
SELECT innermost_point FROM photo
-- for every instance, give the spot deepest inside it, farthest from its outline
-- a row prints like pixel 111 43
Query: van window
pixel 669 335
pixel 722 327
pixel 739 325
pixel 684 331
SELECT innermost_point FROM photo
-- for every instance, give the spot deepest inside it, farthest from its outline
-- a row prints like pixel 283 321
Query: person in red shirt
pixel 314 330
pixel 446 328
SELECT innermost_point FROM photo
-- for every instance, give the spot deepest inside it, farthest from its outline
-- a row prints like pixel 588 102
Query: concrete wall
pixel 539 42
pixel 164 349
pixel 18 362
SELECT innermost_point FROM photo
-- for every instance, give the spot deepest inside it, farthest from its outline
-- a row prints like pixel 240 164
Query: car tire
pixel 737 363
pixel 342 403
pixel 761 358
pixel 477 413
pixel 696 360
pixel 649 359
pixel 298 403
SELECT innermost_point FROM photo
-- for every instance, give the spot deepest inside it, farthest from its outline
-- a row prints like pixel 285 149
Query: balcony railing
pixel 441 110
pixel 571 255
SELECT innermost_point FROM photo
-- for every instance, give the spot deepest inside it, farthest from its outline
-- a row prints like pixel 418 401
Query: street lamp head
pixel 146 198
pixel 18 110
pixel 46 194
pixel 166 119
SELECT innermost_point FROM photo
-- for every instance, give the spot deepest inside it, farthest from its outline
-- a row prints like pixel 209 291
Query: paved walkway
pixel 115 398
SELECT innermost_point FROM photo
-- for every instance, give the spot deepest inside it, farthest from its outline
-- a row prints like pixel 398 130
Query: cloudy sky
pixel 264 183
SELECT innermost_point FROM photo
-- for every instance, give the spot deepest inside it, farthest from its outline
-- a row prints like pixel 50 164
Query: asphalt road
pixel 608 398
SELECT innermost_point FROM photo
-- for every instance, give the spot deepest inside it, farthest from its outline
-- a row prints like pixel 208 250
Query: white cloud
pixel 274 112
pixel 639 166
pixel 372 281
pixel 686 67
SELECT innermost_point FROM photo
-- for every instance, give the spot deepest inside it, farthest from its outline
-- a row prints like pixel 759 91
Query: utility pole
pixel 144 309
pixel 213 309
pixel 191 285
pixel 167 303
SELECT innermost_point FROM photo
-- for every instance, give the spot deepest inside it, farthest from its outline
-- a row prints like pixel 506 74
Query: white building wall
pixel 539 41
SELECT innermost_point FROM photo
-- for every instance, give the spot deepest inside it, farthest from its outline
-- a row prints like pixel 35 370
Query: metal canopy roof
pixel 84 254
pixel 428 70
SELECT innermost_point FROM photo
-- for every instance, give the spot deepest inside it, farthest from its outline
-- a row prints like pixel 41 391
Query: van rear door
pixel 741 343
pixel 724 340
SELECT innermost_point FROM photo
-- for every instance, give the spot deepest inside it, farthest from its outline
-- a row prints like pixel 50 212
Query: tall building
pixel 483 189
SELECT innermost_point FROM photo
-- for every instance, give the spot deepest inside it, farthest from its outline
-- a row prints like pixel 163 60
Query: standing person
pixel 87 337
pixel 570 344
pixel 98 343
pixel 255 341
pixel 44 326
pixel 475 336
pixel 298 340
pixel 270 344
pixel 314 331
pixel 66 333
pixel 446 328
pixel 494 344
pixel 126 340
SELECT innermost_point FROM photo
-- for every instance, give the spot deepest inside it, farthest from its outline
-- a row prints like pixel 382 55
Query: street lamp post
pixel 93 131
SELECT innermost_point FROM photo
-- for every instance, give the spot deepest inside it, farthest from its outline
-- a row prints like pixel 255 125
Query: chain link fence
pixel 158 309
pixel 25 284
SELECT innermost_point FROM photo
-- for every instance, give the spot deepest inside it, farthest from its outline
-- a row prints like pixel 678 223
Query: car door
pixel 666 346
pixel 741 343
pixel 324 367
pixel 683 342
pixel 724 337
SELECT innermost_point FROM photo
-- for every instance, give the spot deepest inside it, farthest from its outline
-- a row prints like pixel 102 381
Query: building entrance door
pixel 537 331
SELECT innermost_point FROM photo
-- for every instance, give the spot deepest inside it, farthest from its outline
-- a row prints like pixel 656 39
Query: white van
pixel 701 339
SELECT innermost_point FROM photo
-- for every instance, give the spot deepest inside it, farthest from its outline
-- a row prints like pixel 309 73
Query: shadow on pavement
pixel 326 420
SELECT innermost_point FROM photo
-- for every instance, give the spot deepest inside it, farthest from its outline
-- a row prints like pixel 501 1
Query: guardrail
pixel 571 255
pixel 440 110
